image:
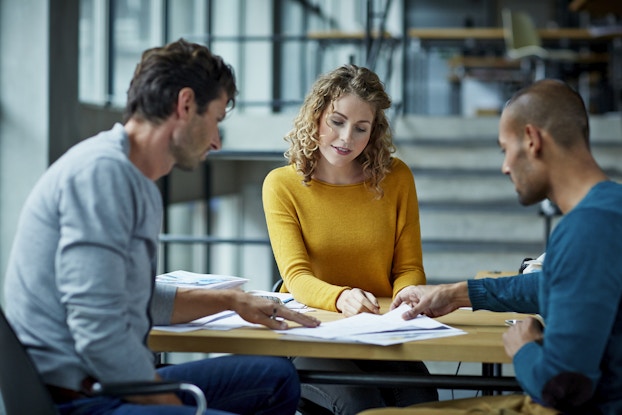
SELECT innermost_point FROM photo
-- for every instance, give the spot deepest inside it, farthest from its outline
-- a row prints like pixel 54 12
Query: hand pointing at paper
pixel 432 300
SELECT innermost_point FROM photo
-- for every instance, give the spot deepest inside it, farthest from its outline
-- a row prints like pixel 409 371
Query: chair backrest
pixel 519 30
pixel 23 391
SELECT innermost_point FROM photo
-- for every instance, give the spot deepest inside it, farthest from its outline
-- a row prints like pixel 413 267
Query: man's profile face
pixel 517 163
pixel 192 144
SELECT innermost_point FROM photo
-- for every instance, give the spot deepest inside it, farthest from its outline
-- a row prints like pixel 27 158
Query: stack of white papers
pixel 193 280
pixel 381 329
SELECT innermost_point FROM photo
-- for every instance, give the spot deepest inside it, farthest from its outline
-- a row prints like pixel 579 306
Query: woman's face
pixel 345 129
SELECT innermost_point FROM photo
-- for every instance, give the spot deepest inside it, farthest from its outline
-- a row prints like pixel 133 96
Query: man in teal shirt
pixel 574 363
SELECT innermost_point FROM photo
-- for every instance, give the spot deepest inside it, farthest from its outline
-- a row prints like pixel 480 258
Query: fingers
pixel 521 333
pixel 300 318
pixel 401 297
pixel 419 298
pixel 409 315
pixel 405 295
pixel 369 303
pixel 363 302
pixel 356 301
pixel 274 316
pixel 395 304
pixel 270 317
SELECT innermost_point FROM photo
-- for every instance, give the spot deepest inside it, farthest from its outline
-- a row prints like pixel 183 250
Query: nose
pixel 346 135
pixel 505 169
pixel 217 141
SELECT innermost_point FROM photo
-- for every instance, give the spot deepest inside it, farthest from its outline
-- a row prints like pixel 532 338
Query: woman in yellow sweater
pixel 343 222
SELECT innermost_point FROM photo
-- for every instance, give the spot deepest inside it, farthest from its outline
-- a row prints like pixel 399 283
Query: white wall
pixel 24 108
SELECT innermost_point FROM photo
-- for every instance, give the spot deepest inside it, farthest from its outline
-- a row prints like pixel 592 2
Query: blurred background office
pixel 65 66
pixel 449 66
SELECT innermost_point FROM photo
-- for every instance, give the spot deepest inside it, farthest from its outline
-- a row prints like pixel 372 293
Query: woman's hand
pixel 355 301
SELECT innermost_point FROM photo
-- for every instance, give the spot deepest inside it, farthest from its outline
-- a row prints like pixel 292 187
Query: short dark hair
pixel 554 106
pixel 163 71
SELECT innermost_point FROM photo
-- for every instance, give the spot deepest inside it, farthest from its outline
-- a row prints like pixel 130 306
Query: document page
pixel 382 329
pixel 188 279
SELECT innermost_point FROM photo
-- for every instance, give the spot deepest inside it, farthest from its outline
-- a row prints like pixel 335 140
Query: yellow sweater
pixel 328 238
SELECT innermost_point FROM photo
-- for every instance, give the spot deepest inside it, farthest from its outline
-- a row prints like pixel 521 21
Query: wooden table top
pixel 481 343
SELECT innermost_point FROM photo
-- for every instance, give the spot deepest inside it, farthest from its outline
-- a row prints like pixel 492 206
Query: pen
pixel 511 322
pixel 287 300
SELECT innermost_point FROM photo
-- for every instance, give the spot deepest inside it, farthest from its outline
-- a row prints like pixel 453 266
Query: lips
pixel 342 150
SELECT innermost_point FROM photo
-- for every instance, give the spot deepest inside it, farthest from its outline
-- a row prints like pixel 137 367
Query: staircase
pixel 469 214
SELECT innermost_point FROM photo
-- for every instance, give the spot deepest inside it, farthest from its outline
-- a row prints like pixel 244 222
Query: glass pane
pixel 137 25
pixel 92 52
pixel 187 19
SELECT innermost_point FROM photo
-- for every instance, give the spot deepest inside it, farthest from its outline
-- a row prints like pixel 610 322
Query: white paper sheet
pixel 383 329
pixel 182 278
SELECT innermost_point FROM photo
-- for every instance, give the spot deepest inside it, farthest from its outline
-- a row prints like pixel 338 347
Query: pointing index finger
pixel 301 318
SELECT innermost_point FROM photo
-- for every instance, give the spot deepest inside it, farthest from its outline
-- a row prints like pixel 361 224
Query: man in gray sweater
pixel 79 287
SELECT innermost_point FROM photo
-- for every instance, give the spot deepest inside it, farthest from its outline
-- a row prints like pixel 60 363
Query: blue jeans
pixel 244 385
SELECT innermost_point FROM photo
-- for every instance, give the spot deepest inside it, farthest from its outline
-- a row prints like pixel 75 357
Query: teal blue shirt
pixel 579 296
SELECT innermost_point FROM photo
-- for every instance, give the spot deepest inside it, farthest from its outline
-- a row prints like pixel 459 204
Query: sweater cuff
pixel 162 304
pixel 477 293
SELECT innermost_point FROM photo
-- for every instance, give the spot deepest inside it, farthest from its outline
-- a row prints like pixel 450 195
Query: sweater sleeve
pixel 289 249
pixel 91 272
pixel 581 293
pixel 162 304
pixel 407 267
pixel 518 293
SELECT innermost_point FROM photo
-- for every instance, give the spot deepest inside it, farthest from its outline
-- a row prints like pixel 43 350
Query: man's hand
pixel 255 309
pixel 432 300
pixel 194 303
pixel 355 301
pixel 524 331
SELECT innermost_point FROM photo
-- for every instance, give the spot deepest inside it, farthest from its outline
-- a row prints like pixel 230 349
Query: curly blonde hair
pixel 304 137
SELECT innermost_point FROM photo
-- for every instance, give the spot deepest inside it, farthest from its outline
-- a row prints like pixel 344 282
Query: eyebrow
pixel 343 115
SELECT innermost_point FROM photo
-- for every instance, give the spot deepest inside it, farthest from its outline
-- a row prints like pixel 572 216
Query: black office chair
pixel 277 286
pixel 24 392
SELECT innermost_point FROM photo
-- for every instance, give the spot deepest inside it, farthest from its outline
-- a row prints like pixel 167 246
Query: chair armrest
pixel 120 389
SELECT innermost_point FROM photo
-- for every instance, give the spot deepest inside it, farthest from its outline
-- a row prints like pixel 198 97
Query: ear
pixel 533 138
pixel 185 103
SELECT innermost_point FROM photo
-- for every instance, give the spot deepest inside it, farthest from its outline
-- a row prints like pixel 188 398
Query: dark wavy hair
pixel 163 71
pixel 304 137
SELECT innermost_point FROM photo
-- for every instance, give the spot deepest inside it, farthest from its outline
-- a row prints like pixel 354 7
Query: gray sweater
pixel 80 276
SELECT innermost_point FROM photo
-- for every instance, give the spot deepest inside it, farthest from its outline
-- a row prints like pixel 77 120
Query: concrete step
pixel 484 153
pixel 468 222
pixel 462 184
pixel 446 268
pixel 451 261
pixel 602 128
